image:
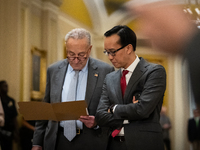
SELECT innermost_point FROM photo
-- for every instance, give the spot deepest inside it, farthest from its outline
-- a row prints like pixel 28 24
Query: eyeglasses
pixel 80 57
pixel 113 52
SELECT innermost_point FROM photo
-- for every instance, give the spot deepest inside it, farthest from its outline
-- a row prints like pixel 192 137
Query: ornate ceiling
pixel 98 14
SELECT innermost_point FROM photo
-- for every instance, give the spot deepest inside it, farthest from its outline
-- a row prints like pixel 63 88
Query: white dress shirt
pixel 81 89
pixel 131 68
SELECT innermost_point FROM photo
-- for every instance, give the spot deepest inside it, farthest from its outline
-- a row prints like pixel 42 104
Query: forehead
pixel 112 41
pixel 77 45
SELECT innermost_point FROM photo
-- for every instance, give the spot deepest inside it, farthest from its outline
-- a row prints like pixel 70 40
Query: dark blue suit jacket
pixel 193 130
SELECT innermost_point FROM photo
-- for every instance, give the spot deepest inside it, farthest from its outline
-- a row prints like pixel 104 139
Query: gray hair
pixel 78 33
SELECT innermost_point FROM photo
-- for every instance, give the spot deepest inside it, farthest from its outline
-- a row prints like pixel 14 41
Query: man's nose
pixel 110 56
pixel 76 60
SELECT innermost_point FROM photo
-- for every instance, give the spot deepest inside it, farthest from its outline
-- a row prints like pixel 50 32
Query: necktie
pixel 197 121
pixel 70 125
pixel 123 88
pixel 123 81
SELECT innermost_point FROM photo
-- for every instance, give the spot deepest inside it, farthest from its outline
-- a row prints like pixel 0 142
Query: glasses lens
pixel 71 58
pixel 79 58
pixel 105 52
pixel 109 53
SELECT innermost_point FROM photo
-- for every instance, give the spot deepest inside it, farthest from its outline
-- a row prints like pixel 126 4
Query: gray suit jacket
pixel 147 84
pixel 46 131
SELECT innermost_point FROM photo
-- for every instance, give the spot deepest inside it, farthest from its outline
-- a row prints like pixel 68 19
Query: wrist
pixel 111 108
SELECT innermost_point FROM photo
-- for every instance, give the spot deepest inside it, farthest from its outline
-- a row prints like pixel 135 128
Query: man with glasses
pixel 132 96
pixel 79 77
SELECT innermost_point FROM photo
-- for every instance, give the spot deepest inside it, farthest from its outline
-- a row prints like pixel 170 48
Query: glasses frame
pixel 80 58
pixel 113 52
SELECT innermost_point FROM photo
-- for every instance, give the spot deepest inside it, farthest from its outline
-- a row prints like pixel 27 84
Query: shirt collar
pixel 132 67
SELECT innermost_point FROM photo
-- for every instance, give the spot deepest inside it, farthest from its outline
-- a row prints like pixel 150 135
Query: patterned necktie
pixel 123 88
pixel 70 125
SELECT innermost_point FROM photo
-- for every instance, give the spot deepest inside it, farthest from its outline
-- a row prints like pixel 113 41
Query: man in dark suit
pixel 132 112
pixel 50 135
pixel 194 130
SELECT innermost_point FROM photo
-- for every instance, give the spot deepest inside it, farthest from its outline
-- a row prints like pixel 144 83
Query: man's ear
pixel 89 50
pixel 129 49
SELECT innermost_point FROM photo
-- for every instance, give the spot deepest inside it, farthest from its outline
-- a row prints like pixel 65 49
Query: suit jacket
pixel 46 131
pixel 147 84
pixel 1 114
pixel 193 130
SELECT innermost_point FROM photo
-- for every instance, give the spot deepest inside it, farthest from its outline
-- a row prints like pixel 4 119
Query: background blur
pixel 32 37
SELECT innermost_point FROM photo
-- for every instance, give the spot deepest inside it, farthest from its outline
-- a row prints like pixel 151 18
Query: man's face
pixel 78 51
pixel 111 44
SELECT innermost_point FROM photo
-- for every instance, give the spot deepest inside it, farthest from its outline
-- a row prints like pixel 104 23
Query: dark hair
pixel 2 82
pixel 127 36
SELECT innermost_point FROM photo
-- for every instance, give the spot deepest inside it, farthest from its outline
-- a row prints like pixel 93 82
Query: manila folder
pixel 53 111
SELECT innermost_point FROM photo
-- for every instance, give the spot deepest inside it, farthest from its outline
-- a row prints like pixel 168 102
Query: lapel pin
pixel 96 75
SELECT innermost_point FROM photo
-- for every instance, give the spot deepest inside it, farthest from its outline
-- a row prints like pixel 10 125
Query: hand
pixel 110 109
pixel 36 148
pixel 166 126
pixel 134 101
pixel 89 121
pixel 166 33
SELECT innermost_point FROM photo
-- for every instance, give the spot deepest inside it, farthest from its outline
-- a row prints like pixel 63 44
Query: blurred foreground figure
pixel 171 31
pixel 166 126
pixel 194 130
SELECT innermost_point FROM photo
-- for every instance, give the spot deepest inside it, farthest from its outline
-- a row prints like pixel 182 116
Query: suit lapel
pixel 93 75
pixel 59 80
pixel 117 87
pixel 136 75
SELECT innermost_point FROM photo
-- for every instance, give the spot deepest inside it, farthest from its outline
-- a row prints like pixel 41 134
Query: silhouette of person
pixel 9 130
pixel 194 130
pixel 166 126
pixel 26 134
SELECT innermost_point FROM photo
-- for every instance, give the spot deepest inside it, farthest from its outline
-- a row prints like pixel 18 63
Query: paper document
pixel 53 111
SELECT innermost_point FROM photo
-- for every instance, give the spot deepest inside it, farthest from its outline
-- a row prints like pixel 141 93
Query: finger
pixel 133 99
pixel 82 120
pixel 84 117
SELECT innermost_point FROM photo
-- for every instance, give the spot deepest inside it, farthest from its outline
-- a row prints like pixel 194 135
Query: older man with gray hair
pixel 79 77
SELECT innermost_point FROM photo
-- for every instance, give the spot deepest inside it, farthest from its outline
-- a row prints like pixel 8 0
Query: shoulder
pixel 191 120
pixel 152 67
pixel 113 74
pixel 58 64
pixel 11 99
pixel 99 63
